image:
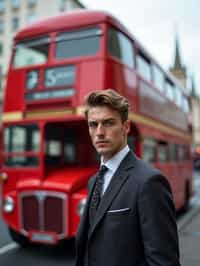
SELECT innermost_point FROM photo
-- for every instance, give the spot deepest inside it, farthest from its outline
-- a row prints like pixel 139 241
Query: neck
pixel 107 158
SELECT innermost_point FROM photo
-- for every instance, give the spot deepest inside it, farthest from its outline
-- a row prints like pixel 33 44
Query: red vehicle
pixel 47 155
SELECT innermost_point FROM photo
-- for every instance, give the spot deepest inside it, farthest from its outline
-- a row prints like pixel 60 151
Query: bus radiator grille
pixel 30 213
pixel 53 213
pixel 43 211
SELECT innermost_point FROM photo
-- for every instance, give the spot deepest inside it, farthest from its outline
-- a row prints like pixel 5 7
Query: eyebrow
pixel 103 120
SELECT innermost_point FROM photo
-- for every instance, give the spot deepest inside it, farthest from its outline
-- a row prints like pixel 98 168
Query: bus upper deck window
pixel 77 43
pixel 31 52
pixel 170 91
pixel 120 46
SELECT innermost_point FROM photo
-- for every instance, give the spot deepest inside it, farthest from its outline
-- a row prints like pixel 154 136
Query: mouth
pixel 101 143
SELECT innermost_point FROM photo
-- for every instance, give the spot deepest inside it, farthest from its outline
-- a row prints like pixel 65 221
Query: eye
pixel 92 124
pixel 108 123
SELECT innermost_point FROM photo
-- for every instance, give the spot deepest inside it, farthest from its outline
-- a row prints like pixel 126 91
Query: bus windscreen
pixel 31 52
pixel 22 145
pixel 78 43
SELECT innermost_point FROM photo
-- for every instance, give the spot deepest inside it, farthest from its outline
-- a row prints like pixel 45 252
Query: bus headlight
pixel 81 207
pixel 8 204
pixel 4 177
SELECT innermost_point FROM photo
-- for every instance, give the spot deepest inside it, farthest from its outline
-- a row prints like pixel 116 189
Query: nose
pixel 100 129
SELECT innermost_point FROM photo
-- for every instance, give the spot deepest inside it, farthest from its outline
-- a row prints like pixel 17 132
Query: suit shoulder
pixel 145 174
pixel 144 167
pixel 144 171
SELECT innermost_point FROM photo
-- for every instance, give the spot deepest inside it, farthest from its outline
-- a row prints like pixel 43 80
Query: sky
pixel 155 23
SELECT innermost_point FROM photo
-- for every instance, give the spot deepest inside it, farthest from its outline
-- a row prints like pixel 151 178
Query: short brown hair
pixel 109 98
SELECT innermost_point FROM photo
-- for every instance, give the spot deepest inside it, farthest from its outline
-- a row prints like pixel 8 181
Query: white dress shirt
pixel 112 166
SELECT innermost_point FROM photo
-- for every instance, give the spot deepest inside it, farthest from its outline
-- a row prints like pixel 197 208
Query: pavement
pixel 189 237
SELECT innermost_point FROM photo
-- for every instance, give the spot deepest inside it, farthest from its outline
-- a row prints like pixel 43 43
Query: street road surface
pixel 11 254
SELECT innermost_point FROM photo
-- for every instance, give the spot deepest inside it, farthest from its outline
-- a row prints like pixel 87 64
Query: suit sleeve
pixel 158 223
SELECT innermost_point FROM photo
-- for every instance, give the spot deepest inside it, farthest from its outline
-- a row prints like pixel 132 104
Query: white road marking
pixel 7 248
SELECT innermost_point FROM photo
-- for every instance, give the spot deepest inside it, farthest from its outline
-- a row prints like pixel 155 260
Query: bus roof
pixel 67 21
pixel 81 18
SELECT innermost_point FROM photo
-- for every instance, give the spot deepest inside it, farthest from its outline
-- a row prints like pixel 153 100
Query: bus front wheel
pixel 18 238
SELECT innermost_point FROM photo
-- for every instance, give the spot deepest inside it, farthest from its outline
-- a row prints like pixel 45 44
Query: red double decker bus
pixel 47 154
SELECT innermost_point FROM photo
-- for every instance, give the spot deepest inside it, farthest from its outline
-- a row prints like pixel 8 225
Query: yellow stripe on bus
pixel 49 113
pixel 156 125
pixel 16 116
pixel 12 116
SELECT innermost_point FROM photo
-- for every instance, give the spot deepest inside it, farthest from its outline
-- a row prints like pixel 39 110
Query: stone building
pixel 195 106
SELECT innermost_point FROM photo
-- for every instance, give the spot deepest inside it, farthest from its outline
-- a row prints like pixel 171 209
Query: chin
pixel 103 152
pixel 106 155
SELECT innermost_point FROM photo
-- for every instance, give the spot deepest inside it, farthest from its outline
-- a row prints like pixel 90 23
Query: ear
pixel 127 126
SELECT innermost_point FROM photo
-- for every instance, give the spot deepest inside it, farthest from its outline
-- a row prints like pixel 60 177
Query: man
pixel 129 218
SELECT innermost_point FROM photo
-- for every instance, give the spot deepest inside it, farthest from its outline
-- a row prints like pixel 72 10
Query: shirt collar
pixel 115 161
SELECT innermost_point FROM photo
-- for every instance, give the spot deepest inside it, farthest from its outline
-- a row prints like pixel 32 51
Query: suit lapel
pixel 115 185
pixel 84 219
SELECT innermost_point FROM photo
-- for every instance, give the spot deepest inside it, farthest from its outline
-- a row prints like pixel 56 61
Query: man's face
pixel 107 131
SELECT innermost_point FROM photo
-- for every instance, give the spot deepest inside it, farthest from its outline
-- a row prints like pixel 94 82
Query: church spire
pixel 177 61
pixel 178 69
pixel 193 92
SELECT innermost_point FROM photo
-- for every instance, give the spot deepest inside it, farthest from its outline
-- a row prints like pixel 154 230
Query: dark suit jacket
pixel 135 223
